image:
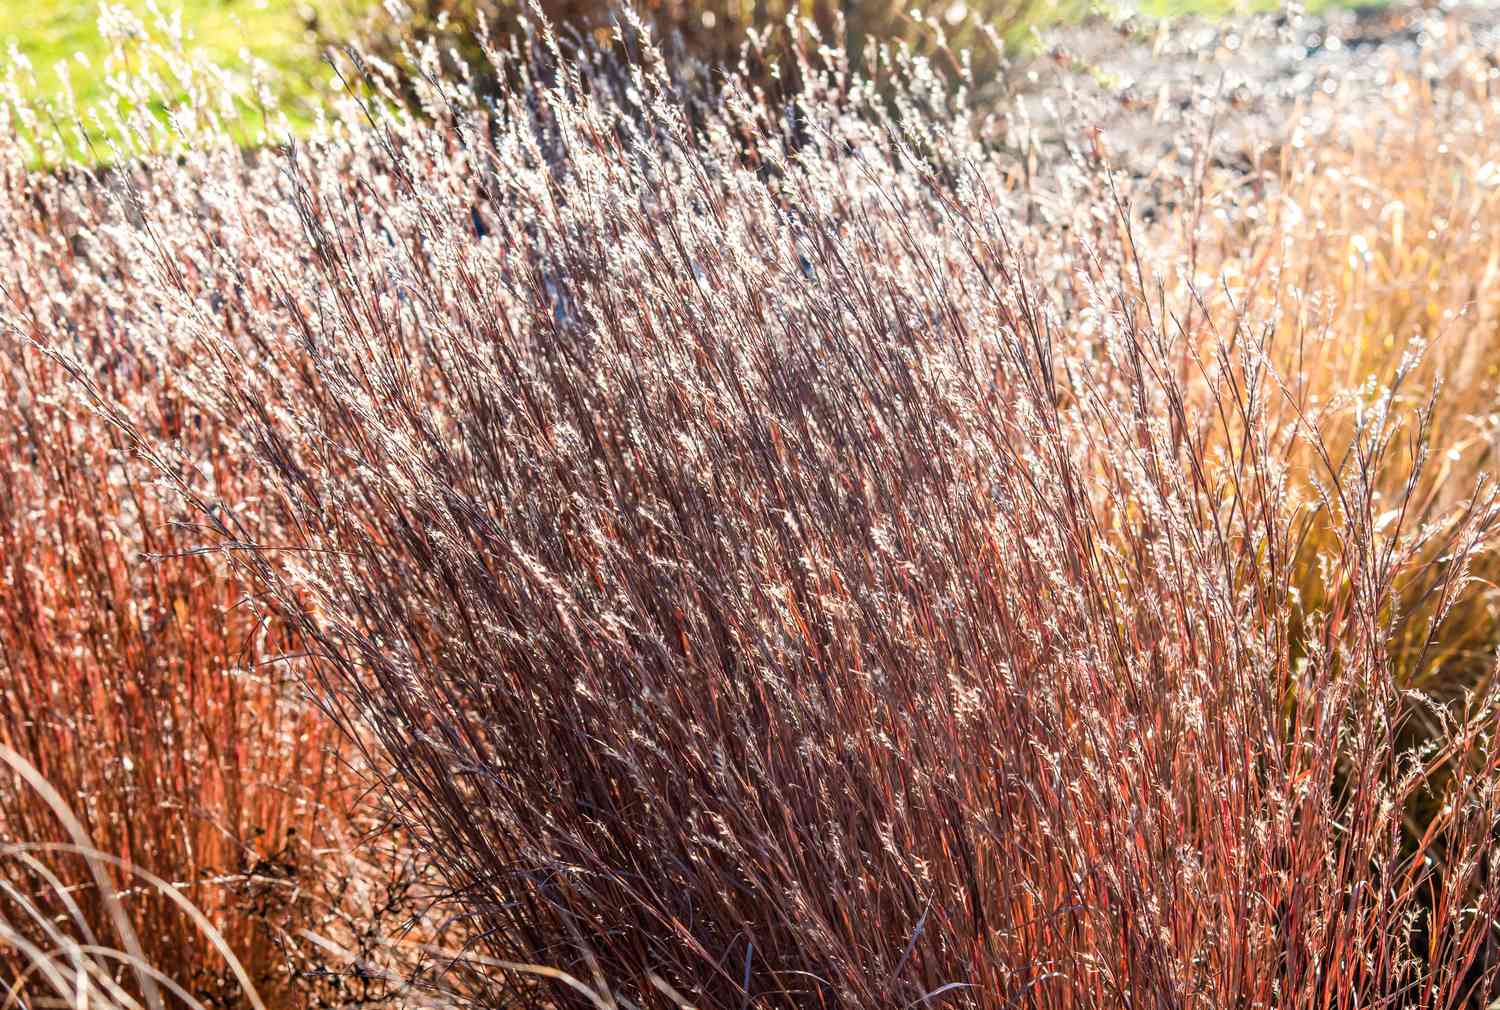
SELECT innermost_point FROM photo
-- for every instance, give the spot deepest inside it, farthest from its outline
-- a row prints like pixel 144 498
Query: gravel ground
pixel 1246 78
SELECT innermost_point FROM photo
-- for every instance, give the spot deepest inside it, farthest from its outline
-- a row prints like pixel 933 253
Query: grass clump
pixel 133 677
pixel 787 552
pixel 1374 249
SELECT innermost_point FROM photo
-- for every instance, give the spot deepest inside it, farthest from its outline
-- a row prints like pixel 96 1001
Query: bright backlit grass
pixel 63 50
pixel 75 52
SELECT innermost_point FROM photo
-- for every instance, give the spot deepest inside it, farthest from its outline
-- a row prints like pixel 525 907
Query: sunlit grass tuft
pixel 794 552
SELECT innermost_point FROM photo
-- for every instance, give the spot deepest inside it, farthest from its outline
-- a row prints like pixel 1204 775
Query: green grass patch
pixel 88 46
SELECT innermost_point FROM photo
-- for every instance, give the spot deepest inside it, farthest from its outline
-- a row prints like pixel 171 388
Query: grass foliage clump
pixel 132 674
pixel 812 553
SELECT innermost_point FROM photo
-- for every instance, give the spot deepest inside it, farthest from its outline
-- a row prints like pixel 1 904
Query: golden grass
pixel 1371 250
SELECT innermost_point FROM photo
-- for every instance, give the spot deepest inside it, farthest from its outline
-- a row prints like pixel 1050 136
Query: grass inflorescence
pixel 832 550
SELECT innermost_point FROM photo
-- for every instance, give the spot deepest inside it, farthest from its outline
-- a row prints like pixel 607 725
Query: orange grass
pixel 1373 249
pixel 133 675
